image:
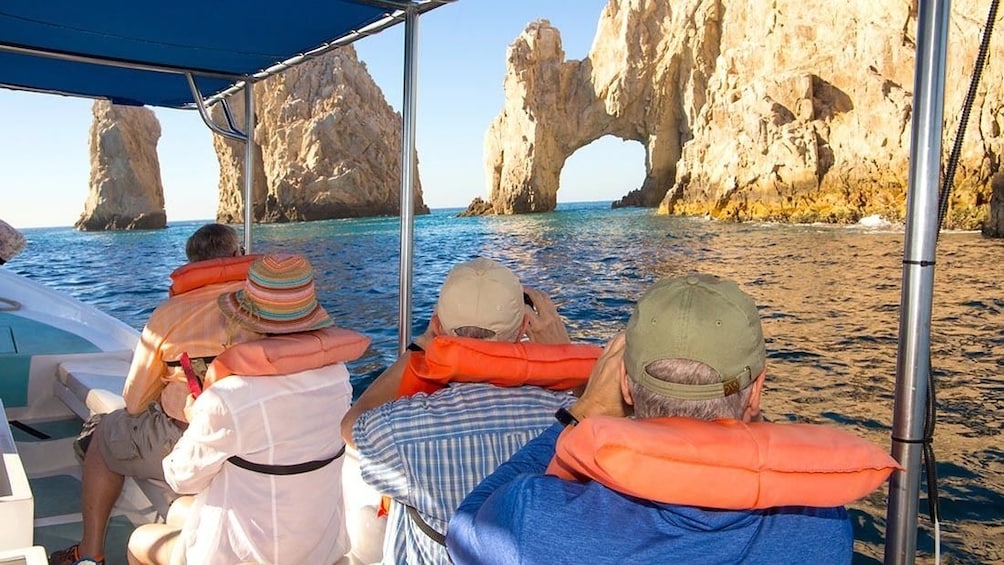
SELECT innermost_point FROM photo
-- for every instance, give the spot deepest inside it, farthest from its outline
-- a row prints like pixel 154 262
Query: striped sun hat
pixel 278 297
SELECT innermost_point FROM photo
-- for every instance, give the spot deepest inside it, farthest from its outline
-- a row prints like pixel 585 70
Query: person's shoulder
pixel 211 289
pixel 204 295
pixel 497 390
pixel 528 396
pixel 534 493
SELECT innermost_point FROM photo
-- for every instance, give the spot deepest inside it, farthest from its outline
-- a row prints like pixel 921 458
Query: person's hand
pixel 603 396
pixel 544 324
pixel 189 401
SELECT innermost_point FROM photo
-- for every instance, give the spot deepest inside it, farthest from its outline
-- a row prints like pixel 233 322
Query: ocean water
pixel 829 298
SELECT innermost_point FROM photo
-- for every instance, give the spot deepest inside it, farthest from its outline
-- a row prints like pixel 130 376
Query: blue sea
pixel 829 297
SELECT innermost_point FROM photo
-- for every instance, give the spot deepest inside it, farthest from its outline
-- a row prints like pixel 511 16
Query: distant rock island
pixel 327 145
pixel 790 112
pixel 125 188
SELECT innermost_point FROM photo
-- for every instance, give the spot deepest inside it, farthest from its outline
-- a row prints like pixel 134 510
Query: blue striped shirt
pixel 430 451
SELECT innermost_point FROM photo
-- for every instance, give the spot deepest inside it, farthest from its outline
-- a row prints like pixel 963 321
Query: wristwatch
pixel 565 417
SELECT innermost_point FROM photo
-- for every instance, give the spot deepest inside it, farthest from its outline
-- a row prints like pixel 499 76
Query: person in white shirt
pixel 261 452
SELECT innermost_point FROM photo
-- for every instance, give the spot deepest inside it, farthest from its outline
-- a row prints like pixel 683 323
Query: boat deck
pixel 20 340
pixel 55 484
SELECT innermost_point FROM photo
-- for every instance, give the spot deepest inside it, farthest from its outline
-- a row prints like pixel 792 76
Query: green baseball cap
pixel 700 318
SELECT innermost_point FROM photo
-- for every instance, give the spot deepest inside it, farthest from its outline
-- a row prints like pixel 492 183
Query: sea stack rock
pixel 786 113
pixel 329 146
pixel 126 191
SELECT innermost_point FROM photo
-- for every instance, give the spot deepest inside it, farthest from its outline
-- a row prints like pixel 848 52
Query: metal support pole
pixel 408 111
pixel 913 355
pixel 249 124
pixel 231 131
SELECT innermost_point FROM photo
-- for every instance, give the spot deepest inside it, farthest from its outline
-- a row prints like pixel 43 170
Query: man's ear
pixel 525 326
pixel 751 413
pixel 626 387
pixel 436 326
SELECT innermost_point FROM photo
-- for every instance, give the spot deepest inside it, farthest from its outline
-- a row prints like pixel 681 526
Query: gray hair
pixel 475 332
pixel 212 241
pixel 650 404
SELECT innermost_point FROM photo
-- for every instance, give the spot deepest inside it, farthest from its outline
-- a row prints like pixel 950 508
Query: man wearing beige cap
pixel 428 451
pixel 693 347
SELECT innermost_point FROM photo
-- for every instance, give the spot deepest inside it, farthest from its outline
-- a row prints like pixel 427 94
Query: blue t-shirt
pixel 519 515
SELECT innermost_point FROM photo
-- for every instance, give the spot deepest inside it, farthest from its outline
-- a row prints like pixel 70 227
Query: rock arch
pixel 786 113
pixel 554 107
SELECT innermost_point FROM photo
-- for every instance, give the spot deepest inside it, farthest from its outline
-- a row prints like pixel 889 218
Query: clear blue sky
pixel 44 159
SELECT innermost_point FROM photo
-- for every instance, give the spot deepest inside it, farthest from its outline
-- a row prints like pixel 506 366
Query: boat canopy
pixel 138 53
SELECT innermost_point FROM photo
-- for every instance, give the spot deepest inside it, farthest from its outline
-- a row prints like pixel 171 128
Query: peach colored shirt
pixel 189 322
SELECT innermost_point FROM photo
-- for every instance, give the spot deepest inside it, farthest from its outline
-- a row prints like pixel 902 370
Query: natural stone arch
pixel 555 107
pixel 602 170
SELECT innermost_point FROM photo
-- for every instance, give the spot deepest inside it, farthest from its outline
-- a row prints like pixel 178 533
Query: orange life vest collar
pixel 287 354
pixel 211 271
pixel 725 464
pixel 461 359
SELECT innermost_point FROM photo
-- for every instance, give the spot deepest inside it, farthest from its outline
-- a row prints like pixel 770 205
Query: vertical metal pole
pixel 249 124
pixel 913 355
pixel 408 111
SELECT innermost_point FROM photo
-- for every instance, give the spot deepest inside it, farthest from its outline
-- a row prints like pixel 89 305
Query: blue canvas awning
pixel 150 44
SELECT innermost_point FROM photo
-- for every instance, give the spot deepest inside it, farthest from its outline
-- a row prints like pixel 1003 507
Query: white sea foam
pixel 876 221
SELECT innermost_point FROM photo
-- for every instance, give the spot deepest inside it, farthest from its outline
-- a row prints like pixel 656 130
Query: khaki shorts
pixel 135 445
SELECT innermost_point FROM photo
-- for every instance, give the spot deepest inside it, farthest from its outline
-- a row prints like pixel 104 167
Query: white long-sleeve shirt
pixel 244 516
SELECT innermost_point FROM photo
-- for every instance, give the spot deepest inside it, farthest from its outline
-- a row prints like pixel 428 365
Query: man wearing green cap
pixel 693 347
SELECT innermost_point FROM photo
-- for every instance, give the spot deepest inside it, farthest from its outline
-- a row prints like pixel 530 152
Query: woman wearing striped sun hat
pixel 278 297
pixel 261 452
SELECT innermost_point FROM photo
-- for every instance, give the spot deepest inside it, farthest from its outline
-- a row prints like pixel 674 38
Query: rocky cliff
pixel 125 187
pixel 786 112
pixel 994 226
pixel 328 146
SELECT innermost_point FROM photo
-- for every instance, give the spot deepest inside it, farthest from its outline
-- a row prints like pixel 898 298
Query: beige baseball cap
pixel 700 318
pixel 485 294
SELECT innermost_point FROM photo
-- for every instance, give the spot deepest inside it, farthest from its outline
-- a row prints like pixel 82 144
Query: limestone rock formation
pixel 994 226
pixel 787 112
pixel 125 187
pixel 477 207
pixel 328 144
pixel 230 155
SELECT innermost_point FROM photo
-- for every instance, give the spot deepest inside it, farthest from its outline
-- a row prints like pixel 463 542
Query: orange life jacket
pixel 724 464
pixel 287 354
pixel 463 359
pixel 211 271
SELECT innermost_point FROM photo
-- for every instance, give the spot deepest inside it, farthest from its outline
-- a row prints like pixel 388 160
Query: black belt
pixel 285 469
pixel 206 360
pixel 428 530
